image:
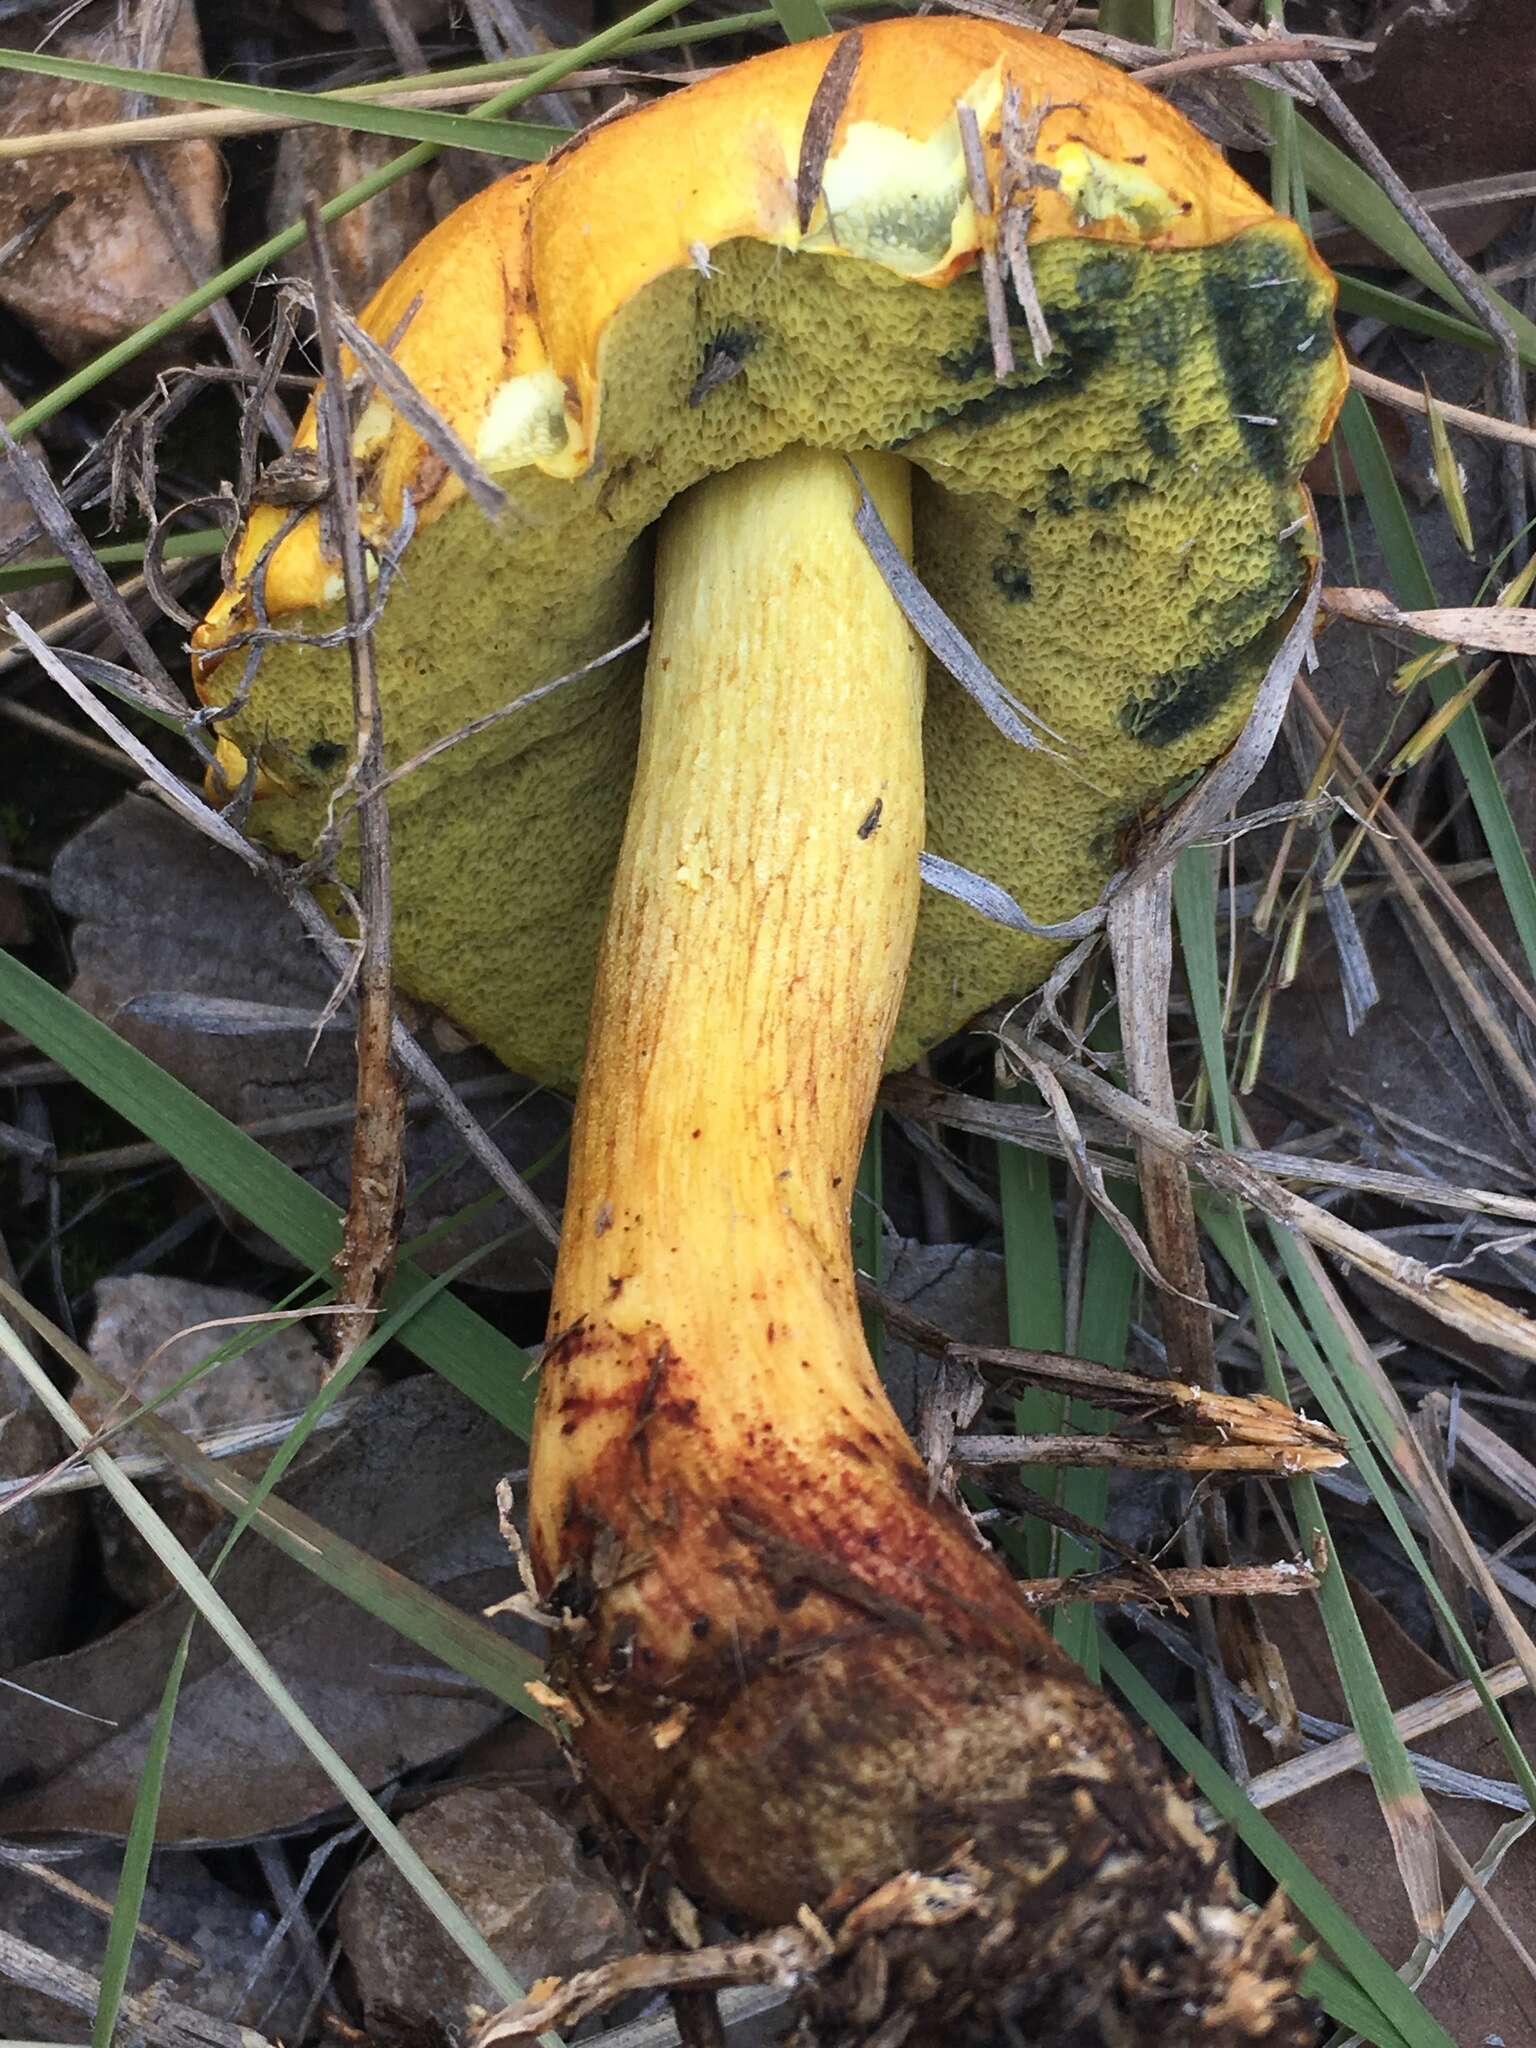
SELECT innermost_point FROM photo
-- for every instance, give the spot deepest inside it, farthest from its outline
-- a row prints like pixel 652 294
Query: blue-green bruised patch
pixel 1162 442
pixel 1245 630
pixel 1272 327
pixel 1176 703
pixel 325 756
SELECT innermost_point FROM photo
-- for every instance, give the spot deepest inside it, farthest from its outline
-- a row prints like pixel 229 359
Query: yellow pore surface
pixel 1116 529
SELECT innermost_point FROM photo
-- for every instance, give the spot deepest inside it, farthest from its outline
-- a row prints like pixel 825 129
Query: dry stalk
pixel 370 1234
pixel 1300 1774
pixel 1232 1418
pixel 1172 1586
pixel 1468 1309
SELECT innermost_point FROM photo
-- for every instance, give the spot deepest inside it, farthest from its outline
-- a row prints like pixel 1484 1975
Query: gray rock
pixel 519 1875
pixel 136 1338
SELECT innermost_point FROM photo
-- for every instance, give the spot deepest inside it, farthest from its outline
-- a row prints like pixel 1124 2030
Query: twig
pixel 156 2018
pixel 1172 1585
pixel 979 186
pixel 377 1194
pixel 1406 399
pixel 1251 57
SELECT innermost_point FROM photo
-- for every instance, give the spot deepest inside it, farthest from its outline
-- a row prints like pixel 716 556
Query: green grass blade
pixel 128 1905
pixel 1327 1387
pixel 1109 1287
pixel 1406 2020
pixel 1194 907
pixel 484 1365
pixel 146 1810
pixel 801 19
pixel 237 1639
pixel 1036 1310
pixel 1403 1805
pixel 461 1641
pixel 178 547
pixel 1359 295
pixel 1469 743
pixel 523 140
pixel 277 246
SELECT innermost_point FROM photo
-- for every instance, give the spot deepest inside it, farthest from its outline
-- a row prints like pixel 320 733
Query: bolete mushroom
pixel 729 316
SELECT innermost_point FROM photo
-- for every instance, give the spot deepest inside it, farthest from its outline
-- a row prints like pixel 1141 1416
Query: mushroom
pixel 746 316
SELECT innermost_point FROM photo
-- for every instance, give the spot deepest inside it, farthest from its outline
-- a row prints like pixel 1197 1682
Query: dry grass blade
pixel 916 1096
pixel 942 637
pixel 1330 1760
pixel 1394 1432
pixel 1454 264
pixel 1484 1457
pixel 316 924
pixel 419 415
pixel 1494 629
pixel 1399 850
pixel 1467 1309
pixel 1141 946
pixel 56 520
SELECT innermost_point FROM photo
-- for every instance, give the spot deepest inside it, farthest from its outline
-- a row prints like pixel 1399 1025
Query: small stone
pixel 136 1338
pixel 520 1876
pixel 107 263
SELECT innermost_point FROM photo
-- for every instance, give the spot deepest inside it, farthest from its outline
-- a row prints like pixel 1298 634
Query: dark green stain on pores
pixel 1176 703
pixel 325 756
pixel 1162 442
pixel 1271 326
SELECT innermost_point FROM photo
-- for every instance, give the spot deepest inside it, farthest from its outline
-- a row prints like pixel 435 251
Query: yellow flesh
pixel 751 973
pixel 1106 530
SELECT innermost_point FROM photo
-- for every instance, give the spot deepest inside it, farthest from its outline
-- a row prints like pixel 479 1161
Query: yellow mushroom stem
pixel 789 1669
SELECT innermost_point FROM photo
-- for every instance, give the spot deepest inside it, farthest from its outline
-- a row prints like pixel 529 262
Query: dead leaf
pixel 1448 96
pixel 411 1481
pixel 1478 1988
pixel 136 1338
pixel 162 911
